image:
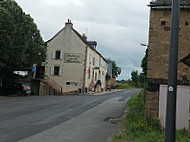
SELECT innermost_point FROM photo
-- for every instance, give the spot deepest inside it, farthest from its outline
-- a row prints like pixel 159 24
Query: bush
pixel 124 86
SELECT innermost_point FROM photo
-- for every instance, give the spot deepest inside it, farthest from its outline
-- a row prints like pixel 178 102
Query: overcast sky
pixel 118 26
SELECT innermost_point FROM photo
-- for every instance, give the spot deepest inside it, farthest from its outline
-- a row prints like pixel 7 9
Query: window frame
pixel 57 54
pixel 57 70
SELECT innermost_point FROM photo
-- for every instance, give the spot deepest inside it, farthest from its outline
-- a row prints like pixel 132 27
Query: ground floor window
pixel 68 83
pixel 56 70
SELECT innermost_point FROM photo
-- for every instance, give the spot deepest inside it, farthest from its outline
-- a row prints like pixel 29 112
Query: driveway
pixel 84 118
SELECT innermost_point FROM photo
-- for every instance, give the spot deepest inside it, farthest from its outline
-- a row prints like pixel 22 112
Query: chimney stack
pixel 84 37
pixel 69 24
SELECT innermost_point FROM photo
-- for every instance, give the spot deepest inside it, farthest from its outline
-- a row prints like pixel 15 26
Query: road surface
pixel 87 118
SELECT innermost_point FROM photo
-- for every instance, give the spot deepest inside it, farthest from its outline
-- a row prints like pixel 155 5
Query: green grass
pixel 137 129
pixel 124 86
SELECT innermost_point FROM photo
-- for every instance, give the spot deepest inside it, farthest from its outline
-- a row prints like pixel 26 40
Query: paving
pixel 86 118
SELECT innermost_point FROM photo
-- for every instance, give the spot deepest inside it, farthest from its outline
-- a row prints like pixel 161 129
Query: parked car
pixel 26 90
pixel 17 88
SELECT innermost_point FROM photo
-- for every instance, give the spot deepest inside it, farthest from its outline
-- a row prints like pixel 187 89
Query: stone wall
pixel 152 104
pixel 158 54
pixel 159 44
pixel 45 89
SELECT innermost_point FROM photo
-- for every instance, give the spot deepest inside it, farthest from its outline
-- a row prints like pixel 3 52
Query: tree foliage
pixel 138 80
pixel 116 71
pixel 144 63
pixel 135 77
pixel 20 40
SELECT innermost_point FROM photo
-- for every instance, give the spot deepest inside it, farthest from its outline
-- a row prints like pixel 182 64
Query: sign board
pixel 73 58
pixel 96 68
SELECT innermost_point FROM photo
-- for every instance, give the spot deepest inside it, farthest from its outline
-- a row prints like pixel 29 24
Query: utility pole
pixel 170 130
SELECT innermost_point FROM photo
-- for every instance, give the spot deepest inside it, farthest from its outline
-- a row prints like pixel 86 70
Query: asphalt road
pixel 84 118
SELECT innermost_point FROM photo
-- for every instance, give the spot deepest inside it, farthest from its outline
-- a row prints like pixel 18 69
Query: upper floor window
pixel 163 23
pixel 93 61
pixel 96 62
pixel 90 59
pixel 186 23
pixel 57 54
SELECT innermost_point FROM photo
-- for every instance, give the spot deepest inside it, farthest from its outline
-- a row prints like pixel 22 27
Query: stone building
pixel 73 64
pixel 158 51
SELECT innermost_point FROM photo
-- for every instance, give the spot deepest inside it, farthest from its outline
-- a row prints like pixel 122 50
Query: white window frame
pixel 54 54
pixel 52 72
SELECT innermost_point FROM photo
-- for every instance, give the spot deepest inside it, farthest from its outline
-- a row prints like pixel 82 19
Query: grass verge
pixel 124 86
pixel 136 128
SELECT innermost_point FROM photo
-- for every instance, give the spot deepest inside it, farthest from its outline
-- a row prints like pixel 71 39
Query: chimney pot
pixel 69 24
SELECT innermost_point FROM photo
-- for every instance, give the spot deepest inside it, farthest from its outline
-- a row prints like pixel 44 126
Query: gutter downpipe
pixel 85 63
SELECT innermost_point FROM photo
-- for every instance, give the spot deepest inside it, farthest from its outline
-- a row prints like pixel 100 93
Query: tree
pixel 144 63
pixel 116 71
pixel 135 78
pixel 20 40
